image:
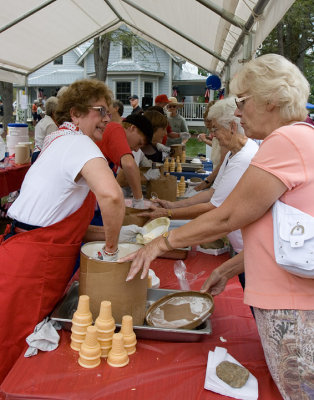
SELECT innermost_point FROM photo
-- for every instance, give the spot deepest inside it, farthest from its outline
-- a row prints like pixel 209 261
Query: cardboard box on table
pixel 165 187
pixel 102 280
pixel 131 217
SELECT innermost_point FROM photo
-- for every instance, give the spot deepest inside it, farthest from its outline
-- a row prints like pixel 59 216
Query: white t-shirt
pixel 43 128
pixel 49 192
pixel 228 176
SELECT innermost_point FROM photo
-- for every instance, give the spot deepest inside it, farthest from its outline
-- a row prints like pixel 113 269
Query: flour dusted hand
pixel 138 203
pixel 128 233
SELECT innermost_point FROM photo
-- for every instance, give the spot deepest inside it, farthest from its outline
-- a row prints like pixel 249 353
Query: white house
pixel 131 70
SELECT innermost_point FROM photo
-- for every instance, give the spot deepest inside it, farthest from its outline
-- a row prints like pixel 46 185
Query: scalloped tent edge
pixel 215 35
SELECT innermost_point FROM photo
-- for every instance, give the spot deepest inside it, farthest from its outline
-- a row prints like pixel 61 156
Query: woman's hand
pixel 163 203
pixel 215 284
pixel 203 185
pixel 143 257
pixel 154 212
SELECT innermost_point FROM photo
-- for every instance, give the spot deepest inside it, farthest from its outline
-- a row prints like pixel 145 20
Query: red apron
pixel 35 268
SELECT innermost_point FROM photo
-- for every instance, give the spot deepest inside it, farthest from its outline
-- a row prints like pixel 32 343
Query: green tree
pixel 293 38
pixel 6 93
pixel 121 36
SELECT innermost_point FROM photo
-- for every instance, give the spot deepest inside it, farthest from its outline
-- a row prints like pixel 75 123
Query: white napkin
pixel 248 392
pixel 45 337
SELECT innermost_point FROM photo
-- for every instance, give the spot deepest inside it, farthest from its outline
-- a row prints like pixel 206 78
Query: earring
pixel 77 127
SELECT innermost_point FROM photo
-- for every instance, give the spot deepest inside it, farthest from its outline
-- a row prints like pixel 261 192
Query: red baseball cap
pixel 162 98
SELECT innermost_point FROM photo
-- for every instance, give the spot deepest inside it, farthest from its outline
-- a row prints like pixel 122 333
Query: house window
pixel 58 60
pixel 148 89
pixel 126 50
pixel 123 91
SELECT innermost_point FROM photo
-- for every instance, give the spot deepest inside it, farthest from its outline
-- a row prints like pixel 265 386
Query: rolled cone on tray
pixel 81 320
pixel 118 355
pixel 90 349
pixel 128 334
pixel 105 325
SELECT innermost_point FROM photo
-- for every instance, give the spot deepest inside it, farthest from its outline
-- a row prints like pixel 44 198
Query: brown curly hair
pixel 79 96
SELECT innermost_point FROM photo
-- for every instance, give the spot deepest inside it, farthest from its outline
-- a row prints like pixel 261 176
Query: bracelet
pixel 165 236
pixel 111 254
pixel 169 213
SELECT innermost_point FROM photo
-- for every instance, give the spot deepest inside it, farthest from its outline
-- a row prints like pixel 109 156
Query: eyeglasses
pixel 241 101
pixel 102 110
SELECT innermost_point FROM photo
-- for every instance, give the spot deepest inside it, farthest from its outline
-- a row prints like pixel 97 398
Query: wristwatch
pixel 206 180
pixel 169 213
pixel 165 236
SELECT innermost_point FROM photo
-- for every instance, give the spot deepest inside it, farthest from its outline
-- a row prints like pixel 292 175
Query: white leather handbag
pixel 293 240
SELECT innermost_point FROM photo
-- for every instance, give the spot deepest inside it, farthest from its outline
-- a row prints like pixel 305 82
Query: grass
pixel 194 147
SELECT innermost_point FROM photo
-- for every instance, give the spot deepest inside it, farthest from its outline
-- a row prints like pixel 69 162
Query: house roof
pixel 188 76
pixel 56 78
pixel 131 66
pixel 212 34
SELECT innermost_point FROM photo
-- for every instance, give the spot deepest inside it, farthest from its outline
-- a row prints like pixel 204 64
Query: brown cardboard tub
pixel 102 280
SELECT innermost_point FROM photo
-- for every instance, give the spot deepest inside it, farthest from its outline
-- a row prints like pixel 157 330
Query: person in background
pixel 135 105
pixel 272 95
pixel 116 111
pixel 117 145
pixel 51 216
pixel 61 91
pixel 1 110
pixel 177 122
pixel 45 126
pixel 34 112
pixel 159 123
pixel 161 101
pixel 218 152
pixel 40 111
pixel 309 120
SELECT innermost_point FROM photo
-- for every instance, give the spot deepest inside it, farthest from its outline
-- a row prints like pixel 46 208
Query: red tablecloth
pixel 11 178
pixel 158 370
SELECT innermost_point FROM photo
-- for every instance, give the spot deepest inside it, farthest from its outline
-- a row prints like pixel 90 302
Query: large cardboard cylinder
pixel 102 280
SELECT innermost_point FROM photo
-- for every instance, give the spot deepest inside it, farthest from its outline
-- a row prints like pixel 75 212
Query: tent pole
pixel 31 12
pixel 182 34
pixel 233 19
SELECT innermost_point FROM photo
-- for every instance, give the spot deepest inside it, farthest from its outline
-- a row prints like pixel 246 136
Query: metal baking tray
pixel 189 167
pixel 67 306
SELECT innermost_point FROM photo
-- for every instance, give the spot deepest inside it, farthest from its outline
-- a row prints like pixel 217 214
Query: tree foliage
pixel 6 93
pixel 293 38
pixel 121 36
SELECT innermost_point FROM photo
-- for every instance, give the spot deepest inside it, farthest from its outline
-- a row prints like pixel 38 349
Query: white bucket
pixel 17 129
pixel 12 141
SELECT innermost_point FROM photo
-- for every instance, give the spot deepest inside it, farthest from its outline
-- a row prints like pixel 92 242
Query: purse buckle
pixel 297 235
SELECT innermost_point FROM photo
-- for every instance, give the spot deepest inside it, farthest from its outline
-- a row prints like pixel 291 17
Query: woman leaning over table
pixel 52 214
pixel 272 95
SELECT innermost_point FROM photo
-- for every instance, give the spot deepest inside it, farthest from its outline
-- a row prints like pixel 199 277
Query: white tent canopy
pixel 216 35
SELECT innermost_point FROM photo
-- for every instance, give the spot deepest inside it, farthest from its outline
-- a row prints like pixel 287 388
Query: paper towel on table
pixel 248 392
pixel 45 337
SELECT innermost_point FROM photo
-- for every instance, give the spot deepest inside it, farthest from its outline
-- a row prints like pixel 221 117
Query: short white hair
pixel 223 112
pixel 273 79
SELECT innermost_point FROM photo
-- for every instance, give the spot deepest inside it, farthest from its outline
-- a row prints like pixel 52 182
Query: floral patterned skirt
pixel 287 338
